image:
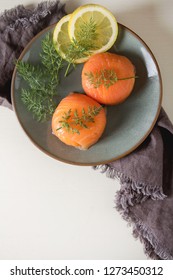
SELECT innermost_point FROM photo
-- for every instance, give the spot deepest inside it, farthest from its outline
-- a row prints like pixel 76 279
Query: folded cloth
pixel 17 27
pixel 145 198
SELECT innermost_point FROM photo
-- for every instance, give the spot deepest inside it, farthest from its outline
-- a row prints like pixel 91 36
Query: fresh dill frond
pixel 70 121
pixel 84 43
pixel 87 34
pixel 106 77
pixel 51 60
pixel 94 79
pixel 32 74
pixel 41 80
pixel 65 124
pixel 42 109
pixel 77 50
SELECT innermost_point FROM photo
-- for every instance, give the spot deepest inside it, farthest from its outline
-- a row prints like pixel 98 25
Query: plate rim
pixel 97 162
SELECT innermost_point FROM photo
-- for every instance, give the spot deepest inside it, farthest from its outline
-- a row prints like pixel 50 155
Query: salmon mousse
pixel 79 121
pixel 108 78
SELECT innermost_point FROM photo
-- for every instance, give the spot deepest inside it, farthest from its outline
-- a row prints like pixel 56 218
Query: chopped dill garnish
pixel 70 121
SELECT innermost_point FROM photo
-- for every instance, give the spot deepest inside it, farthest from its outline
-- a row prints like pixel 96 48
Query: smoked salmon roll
pixel 108 78
pixel 79 121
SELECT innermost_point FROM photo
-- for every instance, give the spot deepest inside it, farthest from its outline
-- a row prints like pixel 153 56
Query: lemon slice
pixel 67 49
pixel 88 30
pixel 93 25
pixel 61 39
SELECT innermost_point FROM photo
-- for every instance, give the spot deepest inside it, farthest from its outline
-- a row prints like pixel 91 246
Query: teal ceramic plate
pixel 128 124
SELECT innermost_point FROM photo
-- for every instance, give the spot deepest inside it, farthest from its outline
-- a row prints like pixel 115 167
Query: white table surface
pixel 52 210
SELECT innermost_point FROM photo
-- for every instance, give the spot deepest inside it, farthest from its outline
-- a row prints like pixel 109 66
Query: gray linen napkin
pixel 145 198
pixel 17 27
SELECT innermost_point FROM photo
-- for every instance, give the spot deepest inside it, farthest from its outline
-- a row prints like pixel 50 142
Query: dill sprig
pixel 106 77
pixel 42 81
pixel 77 50
pixel 70 121
pixel 40 110
pixel 84 43
pixel 87 35
pixel 50 59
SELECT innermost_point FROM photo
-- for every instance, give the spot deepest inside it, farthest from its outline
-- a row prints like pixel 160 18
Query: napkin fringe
pixel 153 249
pixel 131 192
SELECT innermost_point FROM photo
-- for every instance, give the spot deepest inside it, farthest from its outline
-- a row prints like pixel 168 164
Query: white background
pixel 52 210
